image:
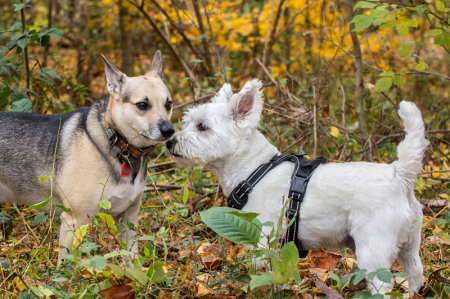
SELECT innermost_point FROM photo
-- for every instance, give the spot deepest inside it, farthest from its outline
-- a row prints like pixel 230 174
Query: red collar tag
pixel 125 170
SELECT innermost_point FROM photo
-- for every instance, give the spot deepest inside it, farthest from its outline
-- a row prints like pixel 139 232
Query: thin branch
pixel 175 25
pixel 27 67
pixel 266 56
pixel 214 43
pixel 208 96
pixel 194 85
pixel 293 19
pixel 281 88
pixel 201 29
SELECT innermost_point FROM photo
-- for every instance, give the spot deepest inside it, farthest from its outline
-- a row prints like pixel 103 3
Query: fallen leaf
pixel 332 294
pixel 184 253
pixel 417 296
pixel 319 273
pixel 328 261
pixel 203 291
pixel 120 291
pixel 317 253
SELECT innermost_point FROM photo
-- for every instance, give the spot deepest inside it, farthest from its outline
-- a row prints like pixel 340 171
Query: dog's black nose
pixel 170 143
pixel 167 129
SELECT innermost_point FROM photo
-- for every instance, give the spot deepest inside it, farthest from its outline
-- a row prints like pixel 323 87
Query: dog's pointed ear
pixel 247 105
pixel 115 78
pixel 224 95
pixel 155 69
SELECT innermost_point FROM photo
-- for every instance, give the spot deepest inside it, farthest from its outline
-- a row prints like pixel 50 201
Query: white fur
pixel 365 206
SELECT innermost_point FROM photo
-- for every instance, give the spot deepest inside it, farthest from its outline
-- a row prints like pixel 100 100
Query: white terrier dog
pixel 369 207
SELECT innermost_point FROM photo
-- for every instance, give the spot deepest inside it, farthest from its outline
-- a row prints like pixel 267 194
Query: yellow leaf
pixel 350 262
pixel 334 132
pixel 106 21
pixel 92 23
pixel 79 235
pixel 444 195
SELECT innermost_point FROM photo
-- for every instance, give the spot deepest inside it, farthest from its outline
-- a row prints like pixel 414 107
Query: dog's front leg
pixel 69 224
pixel 126 235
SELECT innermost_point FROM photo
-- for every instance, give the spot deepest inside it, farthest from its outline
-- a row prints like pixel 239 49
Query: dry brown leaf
pixel 185 253
pixel 202 290
pixel 165 296
pixel 317 253
pixel 417 296
pixel 396 267
pixel 120 291
pixel 319 274
pixel 328 261
pixel 303 267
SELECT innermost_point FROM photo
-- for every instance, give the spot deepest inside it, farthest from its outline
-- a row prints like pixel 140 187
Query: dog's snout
pixel 167 129
pixel 171 143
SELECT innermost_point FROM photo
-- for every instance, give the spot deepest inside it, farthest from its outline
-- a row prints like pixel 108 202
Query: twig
pixel 281 88
pixel 194 85
pixel 434 171
pixel 266 40
pixel 266 55
pixel 208 96
pixel 162 164
pixel 296 141
pixel 293 19
pixel 343 123
pixel 27 67
pixel 215 45
pixel 315 121
pixel 201 29
pixel 382 71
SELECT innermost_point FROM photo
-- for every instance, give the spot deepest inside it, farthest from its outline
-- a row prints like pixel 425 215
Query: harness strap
pixel 303 171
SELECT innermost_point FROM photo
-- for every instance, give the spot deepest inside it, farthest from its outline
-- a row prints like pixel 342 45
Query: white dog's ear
pixel 247 105
pixel 224 95
pixel 115 78
pixel 155 69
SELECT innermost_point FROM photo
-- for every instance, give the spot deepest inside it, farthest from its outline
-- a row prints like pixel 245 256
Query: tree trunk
pixel 125 41
pixel 359 83
pixel 206 52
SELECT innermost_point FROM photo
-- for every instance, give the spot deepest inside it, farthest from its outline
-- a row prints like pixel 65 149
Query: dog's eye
pixel 202 127
pixel 142 106
pixel 168 104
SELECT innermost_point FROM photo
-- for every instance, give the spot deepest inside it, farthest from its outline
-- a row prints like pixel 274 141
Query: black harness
pixel 303 171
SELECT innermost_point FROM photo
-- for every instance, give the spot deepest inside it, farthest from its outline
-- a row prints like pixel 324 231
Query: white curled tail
pixel 410 150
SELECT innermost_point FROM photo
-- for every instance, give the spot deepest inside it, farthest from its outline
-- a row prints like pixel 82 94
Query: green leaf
pixel 43 178
pixel 98 262
pixel 397 80
pixel 387 74
pixel 147 238
pixel 412 23
pixel 40 205
pixel 116 270
pixel 55 32
pixel 383 84
pixel 262 280
pixel 196 60
pixel 359 275
pixel 105 204
pixel 440 6
pixel 212 11
pixel 396 294
pixel 196 174
pixel 19 6
pixel 402 29
pixel 289 254
pixel 16 27
pixel 23 42
pixel 364 4
pixel 270 253
pixel 231 227
pixel 138 275
pixel 279 277
pixel 202 36
pixel 185 196
pixel 40 219
pixel 23 105
pixel 109 221
pixel 334 277
pixel 88 247
pixel 111 254
pixel 385 276
pixel 346 278
pixel 62 207
pixel 421 9
pixel 434 32
pixel 363 295
pixel 156 272
pixel 404 49
pixel 421 66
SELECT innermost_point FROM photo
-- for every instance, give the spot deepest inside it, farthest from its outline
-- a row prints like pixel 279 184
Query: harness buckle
pixel 245 187
pixel 290 213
